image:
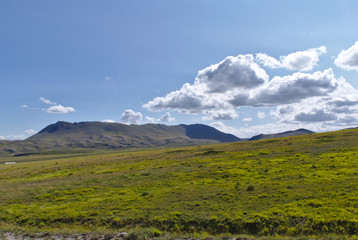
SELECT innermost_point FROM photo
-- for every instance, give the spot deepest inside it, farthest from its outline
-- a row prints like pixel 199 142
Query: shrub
pixel 250 188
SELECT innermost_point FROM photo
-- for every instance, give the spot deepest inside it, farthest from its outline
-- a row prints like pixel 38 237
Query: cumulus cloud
pixel 108 121
pixel 291 89
pixel 348 59
pixel 166 118
pixel 46 101
pixel 188 99
pixel 317 115
pixel 301 60
pixel 343 103
pixel 220 90
pixel 212 85
pixel 268 61
pixel 350 120
pixel 231 73
pixel 221 114
pixel 131 117
pixel 339 108
pixel 25 106
pixel 215 94
pixel 60 109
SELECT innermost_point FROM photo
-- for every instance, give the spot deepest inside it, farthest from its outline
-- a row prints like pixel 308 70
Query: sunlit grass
pixel 304 185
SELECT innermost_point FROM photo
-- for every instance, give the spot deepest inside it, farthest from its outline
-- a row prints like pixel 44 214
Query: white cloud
pixel 187 99
pixel 268 61
pixel 217 101
pixel 131 117
pixel 25 106
pixel 248 119
pixel 108 121
pixel 301 60
pixel 221 114
pixel 13 137
pixel 348 59
pixel 212 87
pixel 250 131
pixel 30 131
pixel 317 115
pixel 261 115
pixel 339 108
pixel 271 128
pixel 151 119
pixel 166 118
pixel 226 129
pixel 46 101
pixel 316 99
pixel 293 88
pixel 231 73
pixel 60 109
pixel 56 108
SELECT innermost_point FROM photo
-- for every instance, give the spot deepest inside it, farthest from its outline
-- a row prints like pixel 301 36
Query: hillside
pixel 67 136
pixel 292 186
pixel 297 132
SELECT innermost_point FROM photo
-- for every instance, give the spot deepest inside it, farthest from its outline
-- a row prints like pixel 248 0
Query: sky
pixel 243 67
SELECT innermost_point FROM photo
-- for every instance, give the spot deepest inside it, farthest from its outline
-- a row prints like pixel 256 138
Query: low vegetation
pixel 295 186
pixel 62 137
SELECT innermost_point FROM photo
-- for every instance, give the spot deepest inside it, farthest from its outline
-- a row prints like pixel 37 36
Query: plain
pixel 294 186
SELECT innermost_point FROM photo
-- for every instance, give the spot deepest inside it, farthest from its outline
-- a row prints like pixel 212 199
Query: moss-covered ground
pixel 297 186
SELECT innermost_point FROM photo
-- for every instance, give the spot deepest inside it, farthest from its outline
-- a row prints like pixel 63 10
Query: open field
pixel 294 186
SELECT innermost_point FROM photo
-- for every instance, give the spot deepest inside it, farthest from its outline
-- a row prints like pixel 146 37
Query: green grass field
pixel 296 186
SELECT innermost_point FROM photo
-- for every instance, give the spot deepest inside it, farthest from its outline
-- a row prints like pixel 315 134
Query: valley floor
pixel 296 186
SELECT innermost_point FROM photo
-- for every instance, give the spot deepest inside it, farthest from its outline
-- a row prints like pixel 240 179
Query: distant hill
pixel 66 136
pixel 297 132
pixel 100 135
pixel 200 131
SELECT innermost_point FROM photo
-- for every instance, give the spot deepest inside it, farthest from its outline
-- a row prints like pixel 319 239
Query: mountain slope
pixel 200 131
pixel 99 135
pixel 297 132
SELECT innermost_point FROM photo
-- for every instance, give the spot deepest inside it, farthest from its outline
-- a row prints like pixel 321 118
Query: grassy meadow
pixel 295 186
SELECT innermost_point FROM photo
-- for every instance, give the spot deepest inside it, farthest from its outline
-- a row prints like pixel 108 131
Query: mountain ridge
pixel 66 136
pixel 99 135
pixel 290 133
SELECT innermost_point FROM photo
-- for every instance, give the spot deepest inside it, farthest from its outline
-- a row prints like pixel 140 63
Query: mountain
pixel 100 135
pixel 200 131
pixel 297 132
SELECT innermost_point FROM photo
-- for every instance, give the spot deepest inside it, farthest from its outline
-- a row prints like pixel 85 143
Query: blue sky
pixel 245 67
